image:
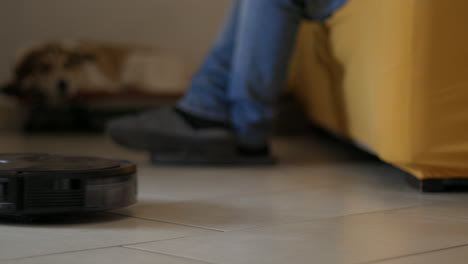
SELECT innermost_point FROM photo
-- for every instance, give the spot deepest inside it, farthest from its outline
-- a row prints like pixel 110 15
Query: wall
pixel 184 26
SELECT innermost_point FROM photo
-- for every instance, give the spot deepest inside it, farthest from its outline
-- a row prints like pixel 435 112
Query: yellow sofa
pixel 392 76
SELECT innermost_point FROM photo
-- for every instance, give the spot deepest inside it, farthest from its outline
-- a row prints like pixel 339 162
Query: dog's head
pixel 51 71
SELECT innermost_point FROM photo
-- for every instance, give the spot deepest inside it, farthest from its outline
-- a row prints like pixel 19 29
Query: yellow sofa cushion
pixel 393 76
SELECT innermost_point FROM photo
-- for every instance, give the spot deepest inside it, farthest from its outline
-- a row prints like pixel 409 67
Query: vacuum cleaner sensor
pixel 38 184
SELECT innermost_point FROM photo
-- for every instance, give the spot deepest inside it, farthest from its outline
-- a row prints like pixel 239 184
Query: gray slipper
pixel 171 140
pixel 220 155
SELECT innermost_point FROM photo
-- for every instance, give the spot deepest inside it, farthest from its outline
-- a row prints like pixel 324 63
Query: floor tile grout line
pixel 284 223
pixel 423 202
pixel 167 222
pixel 324 218
pixel 412 254
pixel 91 249
pixel 276 224
pixel 58 253
pixel 165 254
pixel 428 202
pixel 156 252
pixel 262 193
pixel 158 240
pixel 270 225
pixel 370 212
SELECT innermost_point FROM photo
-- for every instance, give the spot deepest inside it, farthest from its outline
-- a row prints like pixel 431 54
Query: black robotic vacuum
pixel 44 184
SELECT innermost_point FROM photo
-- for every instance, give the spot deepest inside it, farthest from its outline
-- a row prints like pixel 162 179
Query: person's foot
pixel 173 136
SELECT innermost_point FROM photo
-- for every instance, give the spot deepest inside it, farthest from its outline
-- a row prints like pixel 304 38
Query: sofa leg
pixel 438 185
pixel 432 185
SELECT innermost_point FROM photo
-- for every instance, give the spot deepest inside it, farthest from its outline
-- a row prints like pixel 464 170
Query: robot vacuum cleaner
pixel 44 184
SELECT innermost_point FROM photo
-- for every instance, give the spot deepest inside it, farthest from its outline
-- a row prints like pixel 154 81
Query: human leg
pixel 238 82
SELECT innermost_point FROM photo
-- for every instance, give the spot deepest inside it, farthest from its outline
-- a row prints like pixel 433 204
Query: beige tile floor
pixel 324 203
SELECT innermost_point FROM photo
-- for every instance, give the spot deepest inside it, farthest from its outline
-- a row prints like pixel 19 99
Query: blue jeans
pixel 244 72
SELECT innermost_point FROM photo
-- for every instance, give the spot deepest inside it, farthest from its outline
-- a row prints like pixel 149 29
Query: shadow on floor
pixel 60 220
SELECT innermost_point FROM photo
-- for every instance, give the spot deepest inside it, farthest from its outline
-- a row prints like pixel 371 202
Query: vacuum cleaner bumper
pixel 38 184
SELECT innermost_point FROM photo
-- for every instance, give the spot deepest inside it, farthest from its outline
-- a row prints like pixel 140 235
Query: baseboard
pixel 438 185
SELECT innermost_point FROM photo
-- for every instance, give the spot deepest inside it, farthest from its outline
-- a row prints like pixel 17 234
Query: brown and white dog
pixel 59 71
